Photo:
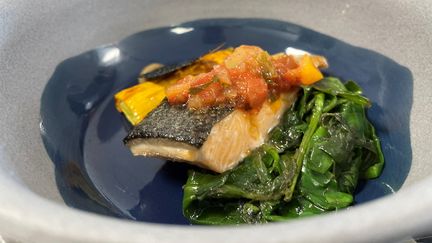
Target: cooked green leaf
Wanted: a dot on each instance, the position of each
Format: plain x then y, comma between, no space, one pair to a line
311,163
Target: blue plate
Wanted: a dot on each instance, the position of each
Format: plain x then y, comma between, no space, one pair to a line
83,131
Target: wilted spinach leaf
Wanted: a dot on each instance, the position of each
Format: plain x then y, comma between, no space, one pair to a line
310,164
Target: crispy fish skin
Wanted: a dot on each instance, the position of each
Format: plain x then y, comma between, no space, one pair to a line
164,71
178,123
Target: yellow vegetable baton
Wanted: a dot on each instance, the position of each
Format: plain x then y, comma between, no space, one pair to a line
137,101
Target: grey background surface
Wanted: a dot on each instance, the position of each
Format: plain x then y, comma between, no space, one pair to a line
37,35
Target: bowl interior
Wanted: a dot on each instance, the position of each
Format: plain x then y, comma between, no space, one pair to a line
96,172
36,36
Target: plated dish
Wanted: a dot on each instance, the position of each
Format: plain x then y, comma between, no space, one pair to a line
275,138
96,174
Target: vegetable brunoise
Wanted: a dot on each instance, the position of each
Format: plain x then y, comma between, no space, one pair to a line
271,138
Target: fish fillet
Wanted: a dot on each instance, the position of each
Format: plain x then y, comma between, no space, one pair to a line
217,139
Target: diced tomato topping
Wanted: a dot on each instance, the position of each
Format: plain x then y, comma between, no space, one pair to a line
178,93
210,96
251,88
245,79
285,67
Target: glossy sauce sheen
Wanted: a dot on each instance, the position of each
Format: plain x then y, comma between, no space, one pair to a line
83,131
